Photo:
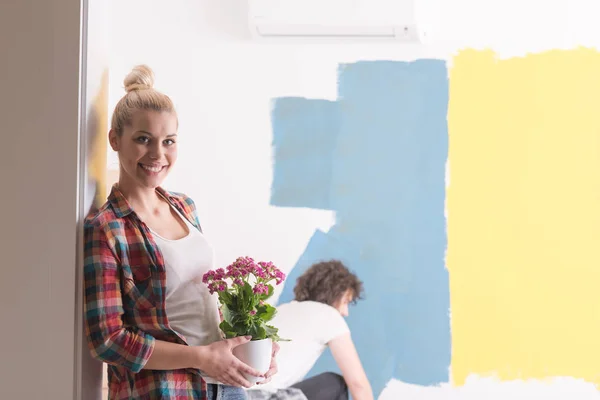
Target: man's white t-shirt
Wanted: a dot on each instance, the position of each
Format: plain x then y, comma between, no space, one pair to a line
310,325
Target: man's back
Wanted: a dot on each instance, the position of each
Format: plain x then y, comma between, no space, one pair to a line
310,326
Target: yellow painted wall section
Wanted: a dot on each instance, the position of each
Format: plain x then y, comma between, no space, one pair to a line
98,130
524,215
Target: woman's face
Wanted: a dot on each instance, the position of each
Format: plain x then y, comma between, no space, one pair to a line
147,148
342,304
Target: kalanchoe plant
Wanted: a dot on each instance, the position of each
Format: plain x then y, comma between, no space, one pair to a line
243,288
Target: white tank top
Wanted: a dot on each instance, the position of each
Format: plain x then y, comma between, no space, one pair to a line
191,310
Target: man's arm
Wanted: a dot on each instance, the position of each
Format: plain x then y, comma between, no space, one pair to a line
345,355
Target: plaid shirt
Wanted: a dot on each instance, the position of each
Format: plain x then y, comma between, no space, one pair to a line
125,285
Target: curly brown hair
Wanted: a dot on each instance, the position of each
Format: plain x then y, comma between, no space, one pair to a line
326,282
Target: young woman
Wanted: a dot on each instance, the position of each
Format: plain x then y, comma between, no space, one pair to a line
148,315
313,322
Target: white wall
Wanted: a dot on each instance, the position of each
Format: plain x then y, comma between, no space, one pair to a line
223,84
39,94
96,65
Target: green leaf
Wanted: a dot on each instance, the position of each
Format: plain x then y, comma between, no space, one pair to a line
266,312
271,330
227,314
238,322
272,333
242,325
258,331
229,300
225,326
236,306
227,330
225,297
248,296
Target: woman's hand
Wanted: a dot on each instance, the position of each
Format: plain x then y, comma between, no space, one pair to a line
273,368
217,361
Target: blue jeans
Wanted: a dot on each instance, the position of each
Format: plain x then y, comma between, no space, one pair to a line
224,392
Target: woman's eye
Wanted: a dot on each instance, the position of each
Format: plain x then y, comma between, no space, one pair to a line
169,142
143,139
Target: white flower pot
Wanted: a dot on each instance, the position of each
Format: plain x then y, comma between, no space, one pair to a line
256,354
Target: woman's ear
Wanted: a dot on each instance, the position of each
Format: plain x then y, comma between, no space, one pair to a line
114,140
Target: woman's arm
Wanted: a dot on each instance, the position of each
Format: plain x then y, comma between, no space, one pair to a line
108,340
169,356
345,355
215,360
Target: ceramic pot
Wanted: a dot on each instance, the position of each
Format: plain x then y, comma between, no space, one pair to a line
256,354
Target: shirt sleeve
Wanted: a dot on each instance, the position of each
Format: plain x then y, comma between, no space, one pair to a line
333,323
107,338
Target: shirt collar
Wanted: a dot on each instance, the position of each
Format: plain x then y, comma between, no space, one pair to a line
122,207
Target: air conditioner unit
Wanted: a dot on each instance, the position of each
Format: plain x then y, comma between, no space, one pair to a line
409,21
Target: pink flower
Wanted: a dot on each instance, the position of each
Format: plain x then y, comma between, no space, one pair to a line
238,273
209,276
270,271
240,267
267,266
253,312
220,274
279,277
233,272
261,288
259,272
217,286
212,287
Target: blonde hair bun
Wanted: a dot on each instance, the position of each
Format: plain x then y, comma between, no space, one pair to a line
141,77
141,95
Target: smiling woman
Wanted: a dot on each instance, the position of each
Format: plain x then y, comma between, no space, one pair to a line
146,315
143,131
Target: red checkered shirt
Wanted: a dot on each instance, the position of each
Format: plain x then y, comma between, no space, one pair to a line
125,286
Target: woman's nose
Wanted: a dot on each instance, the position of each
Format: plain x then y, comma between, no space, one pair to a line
156,152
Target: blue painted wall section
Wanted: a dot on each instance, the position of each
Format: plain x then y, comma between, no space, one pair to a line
304,127
377,156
